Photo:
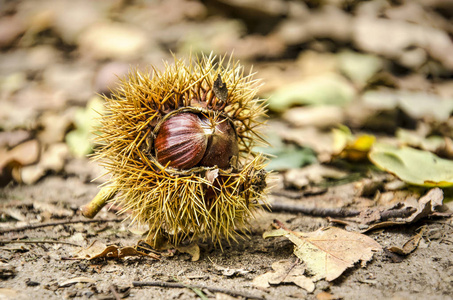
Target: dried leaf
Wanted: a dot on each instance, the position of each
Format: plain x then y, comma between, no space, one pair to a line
138,229
413,166
99,250
220,89
113,40
192,249
427,205
322,116
328,252
11,161
285,272
315,173
410,245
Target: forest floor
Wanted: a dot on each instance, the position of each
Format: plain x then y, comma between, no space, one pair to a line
381,69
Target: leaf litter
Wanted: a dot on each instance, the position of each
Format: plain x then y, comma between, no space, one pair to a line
385,84
98,249
326,253
401,213
411,244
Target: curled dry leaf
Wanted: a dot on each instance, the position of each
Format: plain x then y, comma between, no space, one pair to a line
428,205
328,252
410,245
99,250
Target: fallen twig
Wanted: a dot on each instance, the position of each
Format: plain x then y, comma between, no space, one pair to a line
37,242
180,285
397,213
313,211
35,226
115,294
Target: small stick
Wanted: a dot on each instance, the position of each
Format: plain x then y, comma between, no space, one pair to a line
114,292
37,242
397,213
91,209
197,286
313,211
27,227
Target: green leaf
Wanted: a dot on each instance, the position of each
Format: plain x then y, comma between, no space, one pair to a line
413,166
283,156
291,158
86,121
359,67
321,90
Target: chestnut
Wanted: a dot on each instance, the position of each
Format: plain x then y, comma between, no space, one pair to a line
186,140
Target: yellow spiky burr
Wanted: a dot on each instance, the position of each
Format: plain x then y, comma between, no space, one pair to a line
179,147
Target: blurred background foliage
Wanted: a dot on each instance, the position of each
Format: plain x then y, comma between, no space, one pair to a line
341,76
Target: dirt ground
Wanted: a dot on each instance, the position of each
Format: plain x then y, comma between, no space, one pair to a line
427,273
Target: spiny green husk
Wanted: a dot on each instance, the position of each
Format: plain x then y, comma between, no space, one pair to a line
183,203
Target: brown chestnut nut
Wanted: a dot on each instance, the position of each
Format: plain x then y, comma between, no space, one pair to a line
187,140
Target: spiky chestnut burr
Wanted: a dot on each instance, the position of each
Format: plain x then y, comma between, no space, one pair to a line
178,145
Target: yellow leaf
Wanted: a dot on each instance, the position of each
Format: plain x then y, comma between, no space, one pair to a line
348,146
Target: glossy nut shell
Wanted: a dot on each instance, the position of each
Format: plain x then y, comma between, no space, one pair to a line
188,140
181,141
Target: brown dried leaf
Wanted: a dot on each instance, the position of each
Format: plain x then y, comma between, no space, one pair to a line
25,154
285,271
99,250
328,252
410,245
192,249
11,161
427,205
